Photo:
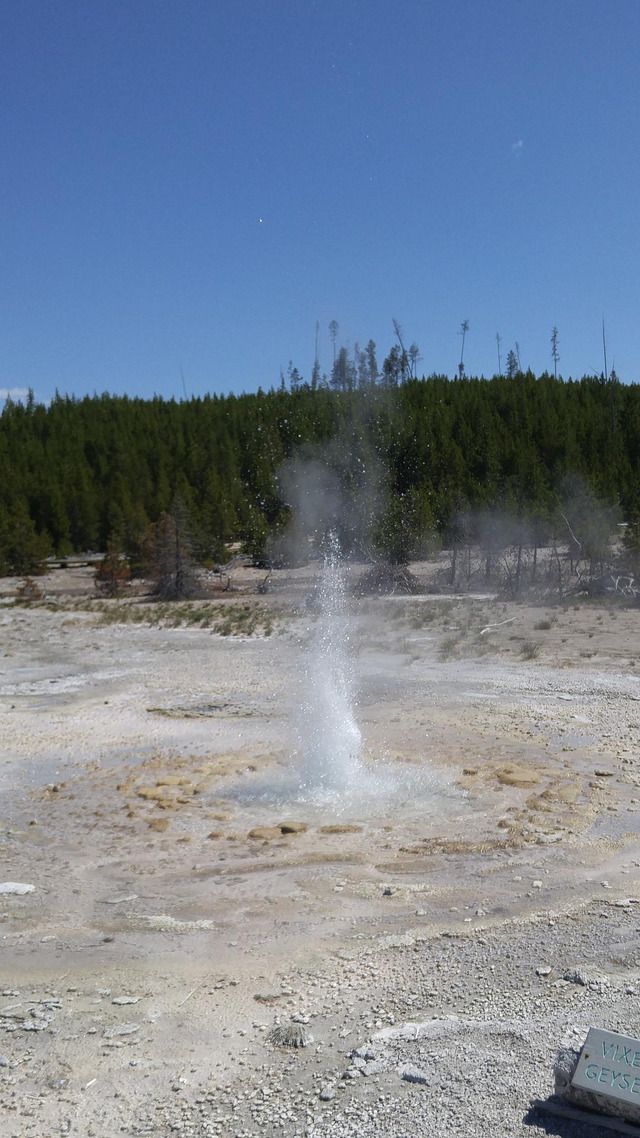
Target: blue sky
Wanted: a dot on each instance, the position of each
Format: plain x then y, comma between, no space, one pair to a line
188,186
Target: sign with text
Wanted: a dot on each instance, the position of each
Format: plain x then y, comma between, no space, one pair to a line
609,1064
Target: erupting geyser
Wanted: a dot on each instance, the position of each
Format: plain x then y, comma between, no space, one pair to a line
329,771
330,739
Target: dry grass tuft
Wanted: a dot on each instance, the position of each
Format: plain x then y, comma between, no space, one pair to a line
290,1035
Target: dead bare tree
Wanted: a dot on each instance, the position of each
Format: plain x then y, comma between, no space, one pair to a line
555,354
171,562
464,328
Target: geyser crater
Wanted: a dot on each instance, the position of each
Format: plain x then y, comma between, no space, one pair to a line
328,771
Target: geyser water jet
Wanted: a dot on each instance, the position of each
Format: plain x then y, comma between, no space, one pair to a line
329,736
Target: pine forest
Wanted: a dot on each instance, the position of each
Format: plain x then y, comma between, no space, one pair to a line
79,474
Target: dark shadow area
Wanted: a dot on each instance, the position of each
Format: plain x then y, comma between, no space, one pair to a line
549,1123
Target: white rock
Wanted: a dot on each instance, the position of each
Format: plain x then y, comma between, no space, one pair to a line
412,1074
16,887
374,1067
327,1093
364,1053
587,978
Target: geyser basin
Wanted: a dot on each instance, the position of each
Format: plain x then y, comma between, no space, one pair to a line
466,841
379,790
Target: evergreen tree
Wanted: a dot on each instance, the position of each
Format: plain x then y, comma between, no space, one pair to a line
372,364
22,550
512,364
394,367
333,332
343,376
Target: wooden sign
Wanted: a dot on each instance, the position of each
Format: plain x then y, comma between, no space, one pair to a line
609,1064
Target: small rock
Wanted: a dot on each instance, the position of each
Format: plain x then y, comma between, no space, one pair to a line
123,1029
292,827
327,1093
596,981
16,887
265,833
412,1074
121,1000
120,899
543,971
375,1067
363,1053
352,1073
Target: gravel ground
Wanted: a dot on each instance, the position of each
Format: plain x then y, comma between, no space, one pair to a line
452,1036
438,949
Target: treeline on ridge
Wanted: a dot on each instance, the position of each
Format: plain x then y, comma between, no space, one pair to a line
79,473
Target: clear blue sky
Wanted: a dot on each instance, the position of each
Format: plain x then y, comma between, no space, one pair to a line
191,185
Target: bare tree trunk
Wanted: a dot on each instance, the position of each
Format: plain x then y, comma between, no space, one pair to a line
559,566
518,568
